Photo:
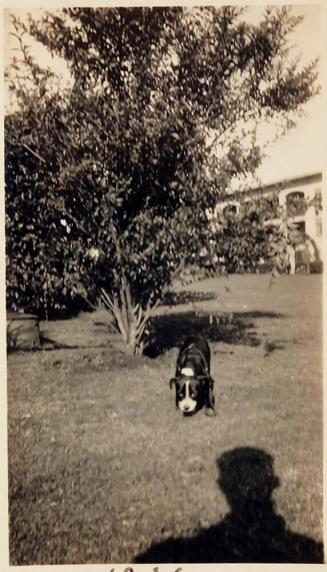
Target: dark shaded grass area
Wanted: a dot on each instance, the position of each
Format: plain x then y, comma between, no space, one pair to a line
187,297
169,331
102,468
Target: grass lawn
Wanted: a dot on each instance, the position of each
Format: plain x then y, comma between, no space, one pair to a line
102,468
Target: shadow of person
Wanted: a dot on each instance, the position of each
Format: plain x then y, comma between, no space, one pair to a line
251,531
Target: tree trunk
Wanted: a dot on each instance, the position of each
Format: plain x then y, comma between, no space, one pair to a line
130,317
132,343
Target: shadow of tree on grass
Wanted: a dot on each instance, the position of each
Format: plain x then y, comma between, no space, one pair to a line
168,331
49,344
187,297
252,531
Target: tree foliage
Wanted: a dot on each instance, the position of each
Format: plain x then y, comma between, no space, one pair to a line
242,241
110,179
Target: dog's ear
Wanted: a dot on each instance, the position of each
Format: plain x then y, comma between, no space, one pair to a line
172,382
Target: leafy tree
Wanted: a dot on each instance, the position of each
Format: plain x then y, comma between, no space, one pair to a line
242,240
111,179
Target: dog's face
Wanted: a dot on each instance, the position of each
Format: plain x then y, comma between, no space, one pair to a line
189,393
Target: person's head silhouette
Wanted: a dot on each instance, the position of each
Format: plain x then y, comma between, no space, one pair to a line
246,477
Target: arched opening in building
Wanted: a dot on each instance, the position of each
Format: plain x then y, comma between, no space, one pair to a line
230,210
296,203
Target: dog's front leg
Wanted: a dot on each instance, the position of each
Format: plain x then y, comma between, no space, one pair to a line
210,404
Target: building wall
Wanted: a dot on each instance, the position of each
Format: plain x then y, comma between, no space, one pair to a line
310,221
312,218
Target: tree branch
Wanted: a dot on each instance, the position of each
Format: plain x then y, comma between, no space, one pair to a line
28,149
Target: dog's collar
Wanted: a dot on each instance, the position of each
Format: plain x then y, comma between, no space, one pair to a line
187,371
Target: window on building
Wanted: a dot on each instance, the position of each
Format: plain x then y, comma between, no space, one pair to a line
269,205
230,210
296,204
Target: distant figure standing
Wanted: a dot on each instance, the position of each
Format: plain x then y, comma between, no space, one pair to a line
307,257
291,258
303,252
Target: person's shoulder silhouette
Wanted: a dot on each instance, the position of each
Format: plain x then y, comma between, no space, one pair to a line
251,531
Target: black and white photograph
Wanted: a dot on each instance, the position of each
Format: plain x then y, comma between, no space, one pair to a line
163,225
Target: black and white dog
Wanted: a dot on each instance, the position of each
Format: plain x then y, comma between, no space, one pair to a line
193,382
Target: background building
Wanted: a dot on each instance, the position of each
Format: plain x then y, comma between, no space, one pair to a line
300,198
